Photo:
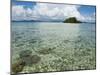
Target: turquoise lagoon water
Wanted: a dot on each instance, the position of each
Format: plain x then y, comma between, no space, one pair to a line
60,46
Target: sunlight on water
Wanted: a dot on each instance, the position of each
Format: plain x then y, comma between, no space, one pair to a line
53,46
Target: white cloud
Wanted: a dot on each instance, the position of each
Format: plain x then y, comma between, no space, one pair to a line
18,12
56,12
90,18
46,12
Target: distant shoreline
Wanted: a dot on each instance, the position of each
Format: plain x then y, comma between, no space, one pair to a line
54,22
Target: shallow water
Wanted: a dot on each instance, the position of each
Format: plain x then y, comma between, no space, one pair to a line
61,46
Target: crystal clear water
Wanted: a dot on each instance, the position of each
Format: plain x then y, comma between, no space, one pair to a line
60,46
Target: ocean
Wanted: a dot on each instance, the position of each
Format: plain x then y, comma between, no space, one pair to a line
58,46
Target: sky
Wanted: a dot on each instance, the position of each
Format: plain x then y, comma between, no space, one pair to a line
51,11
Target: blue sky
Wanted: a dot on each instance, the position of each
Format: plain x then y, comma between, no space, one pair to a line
27,4
51,12
87,10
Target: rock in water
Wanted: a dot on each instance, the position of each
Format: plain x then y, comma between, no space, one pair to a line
17,67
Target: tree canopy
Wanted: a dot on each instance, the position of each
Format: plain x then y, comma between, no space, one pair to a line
71,20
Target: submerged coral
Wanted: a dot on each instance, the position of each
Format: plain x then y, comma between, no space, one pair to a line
33,59
28,58
25,59
25,53
45,50
32,41
18,66
66,41
18,45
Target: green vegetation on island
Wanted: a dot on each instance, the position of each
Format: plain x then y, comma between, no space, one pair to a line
71,20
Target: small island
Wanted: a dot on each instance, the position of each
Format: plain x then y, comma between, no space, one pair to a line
71,20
